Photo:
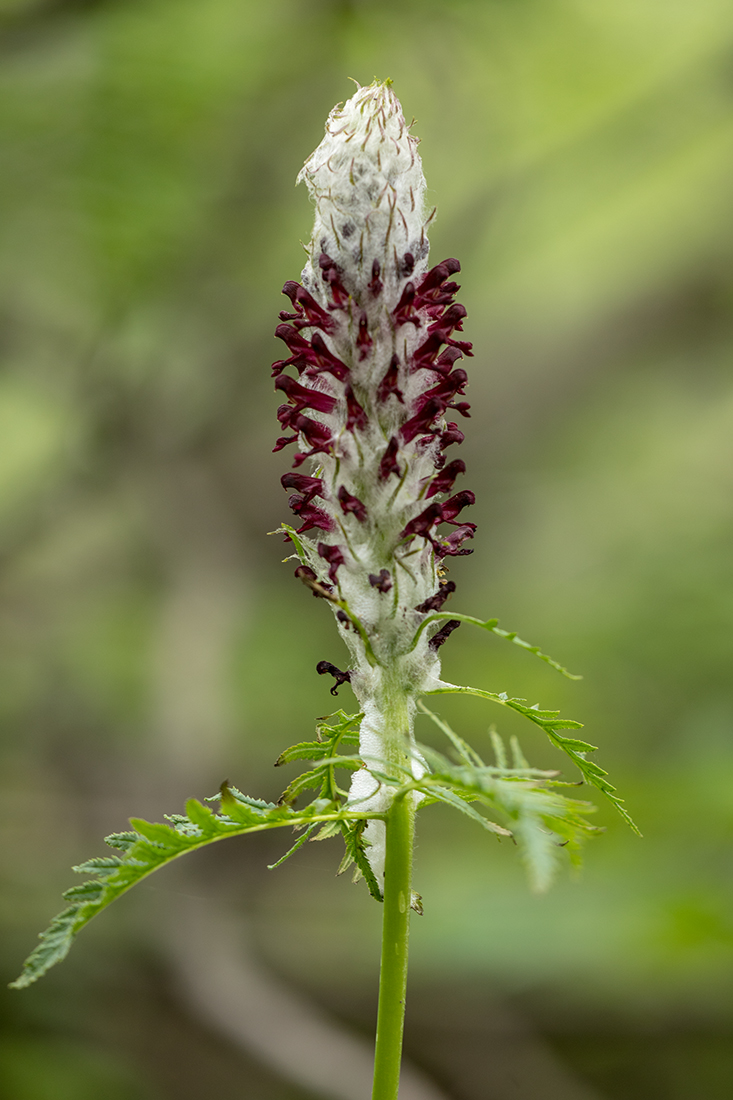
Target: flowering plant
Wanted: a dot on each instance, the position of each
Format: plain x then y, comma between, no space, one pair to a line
370,383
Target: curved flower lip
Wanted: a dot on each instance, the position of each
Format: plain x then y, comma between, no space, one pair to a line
449,545
424,357
332,275
389,464
437,275
325,668
310,515
356,417
309,486
451,434
451,384
308,312
434,603
405,312
311,354
304,398
334,556
389,385
456,503
351,504
435,514
443,480
423,422
441,636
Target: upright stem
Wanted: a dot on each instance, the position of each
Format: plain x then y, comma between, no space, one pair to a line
395,936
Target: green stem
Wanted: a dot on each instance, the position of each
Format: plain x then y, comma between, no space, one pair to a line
395,934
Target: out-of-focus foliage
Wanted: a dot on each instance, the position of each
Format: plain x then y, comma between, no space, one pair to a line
151,643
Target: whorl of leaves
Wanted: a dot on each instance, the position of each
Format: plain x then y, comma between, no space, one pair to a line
542,821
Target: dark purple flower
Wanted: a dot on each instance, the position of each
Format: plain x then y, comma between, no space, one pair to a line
435,603
388,385
444,363
363,339
423,422
351,504
308,312
324,361
309,486
303,397
325,668
310,515
442,635
425,522
375,285
382,580
449,545
443,481
334,556
452,434
451,384
355,415
332,275
456,503
388,465
405,312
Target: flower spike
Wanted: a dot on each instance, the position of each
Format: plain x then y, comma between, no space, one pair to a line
371,337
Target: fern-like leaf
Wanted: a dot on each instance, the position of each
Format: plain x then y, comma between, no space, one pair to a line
541,820
551,722
356,854
152,845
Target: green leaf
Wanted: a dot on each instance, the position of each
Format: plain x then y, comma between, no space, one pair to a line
99,865
299,543
305,750
123,841
319,777
164,836
594,774
498,747
462,747
291,851
331,828
356,853
331,731
202,817
518,756
457,799
313,779
543,822
153,845
339,726
550,722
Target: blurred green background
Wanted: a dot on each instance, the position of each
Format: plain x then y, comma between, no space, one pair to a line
151,643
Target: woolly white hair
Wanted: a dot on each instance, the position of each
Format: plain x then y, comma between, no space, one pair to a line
367,181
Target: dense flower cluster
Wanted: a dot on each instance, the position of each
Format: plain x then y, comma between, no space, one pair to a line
370,385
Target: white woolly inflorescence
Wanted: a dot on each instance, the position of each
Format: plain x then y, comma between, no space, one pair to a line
367,181
370,384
